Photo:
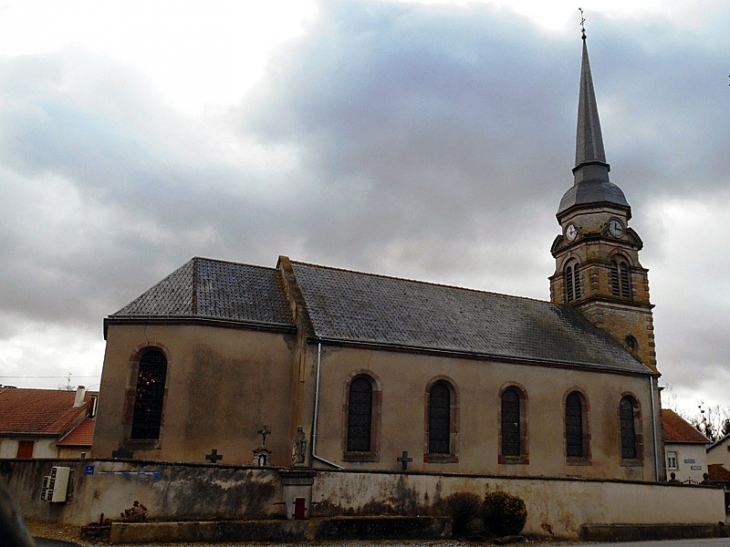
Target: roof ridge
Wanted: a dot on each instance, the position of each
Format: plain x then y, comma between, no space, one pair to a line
232,262
421,282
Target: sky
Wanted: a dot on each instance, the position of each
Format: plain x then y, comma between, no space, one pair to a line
424,140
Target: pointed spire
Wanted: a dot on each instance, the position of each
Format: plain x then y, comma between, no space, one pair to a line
590,157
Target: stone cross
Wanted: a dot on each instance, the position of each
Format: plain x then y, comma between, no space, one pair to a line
404,459
300,446
213,457
264,433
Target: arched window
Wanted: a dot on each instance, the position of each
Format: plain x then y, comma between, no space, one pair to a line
620,279
149,395
632,343
510,423
574,426
439,419
627,417
513,426
572,282
360,415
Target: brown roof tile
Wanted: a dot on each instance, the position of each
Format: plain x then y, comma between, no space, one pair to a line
81,435
677,430
39,411
718,473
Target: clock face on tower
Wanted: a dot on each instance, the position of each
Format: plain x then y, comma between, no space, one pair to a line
615,227
571,232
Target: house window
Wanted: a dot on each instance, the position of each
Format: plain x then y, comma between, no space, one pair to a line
359,415
149,395
439,419
572,282
671,460
628,429
620,279
25,449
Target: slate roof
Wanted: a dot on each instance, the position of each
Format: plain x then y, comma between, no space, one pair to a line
677,430
39,411
217,290
364,308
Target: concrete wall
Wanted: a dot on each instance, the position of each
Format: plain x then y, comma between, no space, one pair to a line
558,505
170,491
223,385
404,378
204,492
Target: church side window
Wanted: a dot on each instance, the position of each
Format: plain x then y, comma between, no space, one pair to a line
572,282
513,425
360,415
620,279
577,438
149,395
439,419
629,438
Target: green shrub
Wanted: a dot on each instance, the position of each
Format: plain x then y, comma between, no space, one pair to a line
503,514
462,507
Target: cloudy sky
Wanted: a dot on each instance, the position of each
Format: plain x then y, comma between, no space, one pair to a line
428,140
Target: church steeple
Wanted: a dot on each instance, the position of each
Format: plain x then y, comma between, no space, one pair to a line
597,268
590,157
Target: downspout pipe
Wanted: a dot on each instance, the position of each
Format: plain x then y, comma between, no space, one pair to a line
653,430
316,412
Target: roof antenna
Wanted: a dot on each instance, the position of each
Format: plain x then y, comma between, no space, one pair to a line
582,23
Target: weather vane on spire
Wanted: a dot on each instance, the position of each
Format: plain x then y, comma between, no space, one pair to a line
582,23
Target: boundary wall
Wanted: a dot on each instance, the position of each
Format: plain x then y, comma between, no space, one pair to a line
172,491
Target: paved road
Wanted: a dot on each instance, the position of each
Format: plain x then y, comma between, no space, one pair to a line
714,542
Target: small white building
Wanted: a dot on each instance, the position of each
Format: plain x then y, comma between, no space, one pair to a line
684,447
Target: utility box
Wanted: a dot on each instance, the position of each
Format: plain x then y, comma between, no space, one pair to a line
55,485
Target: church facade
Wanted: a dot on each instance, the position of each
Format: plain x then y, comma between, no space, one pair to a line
325,368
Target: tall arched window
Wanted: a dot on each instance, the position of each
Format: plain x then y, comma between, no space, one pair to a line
511,434
574,440
572,282
149,395
627,417
439,419
620,279
360,415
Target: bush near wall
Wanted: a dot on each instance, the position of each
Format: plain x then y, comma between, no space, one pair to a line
503,514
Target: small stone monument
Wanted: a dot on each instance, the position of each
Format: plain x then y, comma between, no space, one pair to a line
262,455
300,448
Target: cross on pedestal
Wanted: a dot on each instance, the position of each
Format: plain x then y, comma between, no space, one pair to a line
264,433
213,457
404,459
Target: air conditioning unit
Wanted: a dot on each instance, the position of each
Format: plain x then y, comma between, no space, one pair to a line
55,485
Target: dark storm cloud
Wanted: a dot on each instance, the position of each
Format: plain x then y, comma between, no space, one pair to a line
432,143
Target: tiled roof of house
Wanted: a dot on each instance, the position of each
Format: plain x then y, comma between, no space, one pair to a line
373,309
718,473
677,430
39,411
81,435
214,289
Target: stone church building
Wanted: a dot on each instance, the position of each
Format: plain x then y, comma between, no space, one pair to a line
328,368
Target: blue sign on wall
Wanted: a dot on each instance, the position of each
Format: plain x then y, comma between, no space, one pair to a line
89,470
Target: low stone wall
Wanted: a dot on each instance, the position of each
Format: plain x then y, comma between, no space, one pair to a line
168,490
196,492
555,507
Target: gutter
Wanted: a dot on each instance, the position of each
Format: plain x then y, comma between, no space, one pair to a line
653,430
316,413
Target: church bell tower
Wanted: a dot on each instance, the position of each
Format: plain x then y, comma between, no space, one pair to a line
597,267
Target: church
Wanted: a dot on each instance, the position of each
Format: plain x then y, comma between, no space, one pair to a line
325,368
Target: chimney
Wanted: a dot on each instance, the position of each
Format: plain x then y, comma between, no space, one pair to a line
80,394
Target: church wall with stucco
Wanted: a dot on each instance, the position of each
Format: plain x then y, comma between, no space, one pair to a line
404,378
222,386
